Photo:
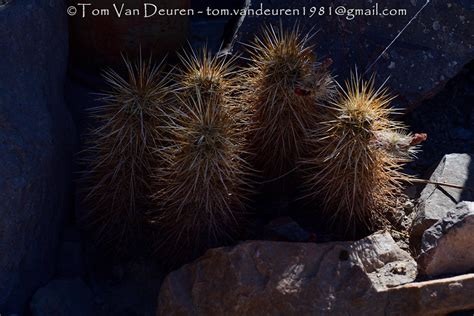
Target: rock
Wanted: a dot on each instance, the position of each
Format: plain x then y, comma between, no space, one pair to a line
432,49
434,298
68,297
215,32
285,229
274,278
436,201
34,144
447,245
267,278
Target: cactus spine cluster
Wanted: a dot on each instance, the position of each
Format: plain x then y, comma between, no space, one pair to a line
284,84
119,155
203,180
355,157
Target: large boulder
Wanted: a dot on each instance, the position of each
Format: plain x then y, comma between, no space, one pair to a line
275,278
35,156
447,246
268,278
430,51
436,201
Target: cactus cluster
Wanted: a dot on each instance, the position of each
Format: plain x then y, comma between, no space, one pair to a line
180,153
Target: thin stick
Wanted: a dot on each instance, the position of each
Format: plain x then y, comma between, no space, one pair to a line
440,184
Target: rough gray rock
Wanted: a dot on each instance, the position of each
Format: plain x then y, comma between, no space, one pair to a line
447,246
71,297
35,155
268,278
436,201
433,49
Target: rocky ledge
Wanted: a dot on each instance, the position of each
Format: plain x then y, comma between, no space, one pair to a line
367,277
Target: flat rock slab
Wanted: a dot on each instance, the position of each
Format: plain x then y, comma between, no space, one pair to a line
433,49
434,298
275,278
447,246
436,201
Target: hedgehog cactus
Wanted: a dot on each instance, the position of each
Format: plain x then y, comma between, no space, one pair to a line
211,76
203,181
284,84
356,154
119,153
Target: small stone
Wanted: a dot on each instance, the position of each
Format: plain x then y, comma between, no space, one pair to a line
399,269
436,25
